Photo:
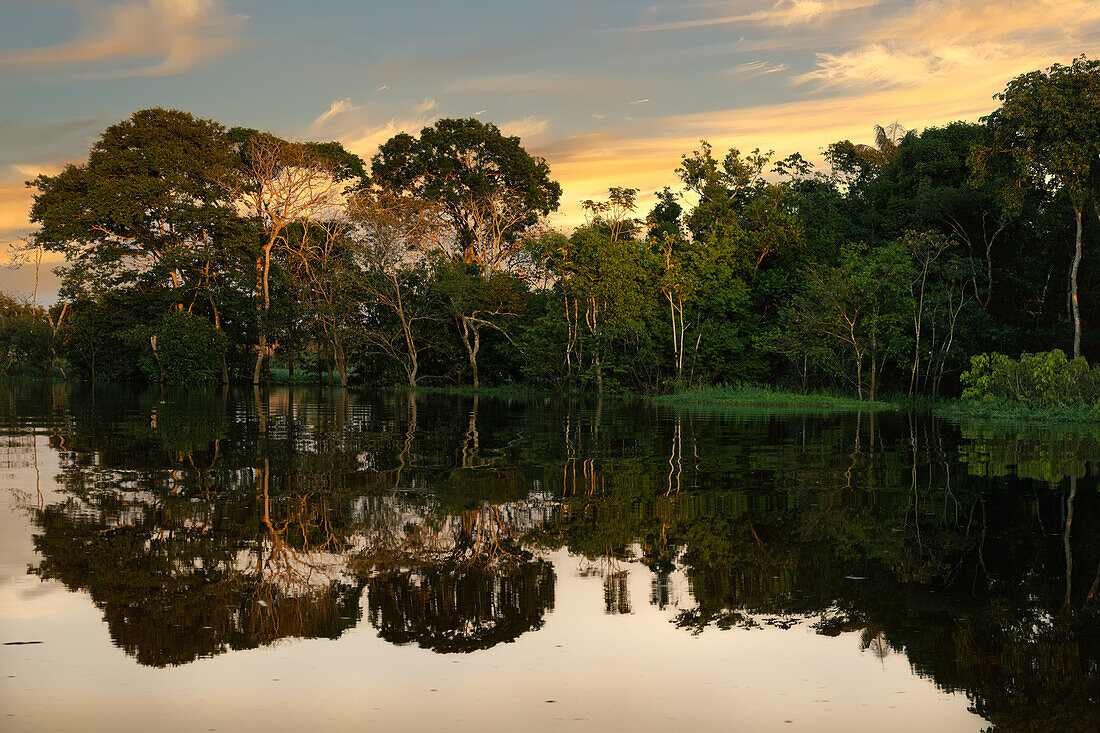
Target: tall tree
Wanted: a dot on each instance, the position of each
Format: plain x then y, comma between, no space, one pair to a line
1048,126
395,232
489,186
286,183
152,199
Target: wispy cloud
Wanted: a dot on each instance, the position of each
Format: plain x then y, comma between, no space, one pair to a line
640,101
336,109
426,105
874,63
526,128
139,38
782,13
961,39
365,139
755,68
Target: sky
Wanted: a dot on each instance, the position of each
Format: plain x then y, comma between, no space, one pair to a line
609,92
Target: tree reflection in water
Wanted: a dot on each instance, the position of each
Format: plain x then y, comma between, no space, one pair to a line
203,523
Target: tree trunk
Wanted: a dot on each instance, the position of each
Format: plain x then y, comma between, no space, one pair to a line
874,377
464,329
264,266
341,362
859,375
1073,286
261,350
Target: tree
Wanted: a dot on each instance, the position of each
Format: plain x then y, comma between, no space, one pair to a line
327,272
490,188
395,231
155,190
477,302
861,303
1048,127
856,163
288,183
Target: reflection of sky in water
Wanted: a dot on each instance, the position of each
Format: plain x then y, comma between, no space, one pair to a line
632,672
602,672
620,648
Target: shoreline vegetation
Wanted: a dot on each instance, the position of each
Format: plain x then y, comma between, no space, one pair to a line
735,397
900,273
747,395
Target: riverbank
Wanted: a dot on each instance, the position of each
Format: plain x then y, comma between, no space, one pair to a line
762,396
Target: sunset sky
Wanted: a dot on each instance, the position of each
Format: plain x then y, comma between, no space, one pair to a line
610,92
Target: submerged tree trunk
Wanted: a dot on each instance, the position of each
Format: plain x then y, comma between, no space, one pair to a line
341,362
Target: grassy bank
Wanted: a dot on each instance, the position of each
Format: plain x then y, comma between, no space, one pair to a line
1015,411
763,396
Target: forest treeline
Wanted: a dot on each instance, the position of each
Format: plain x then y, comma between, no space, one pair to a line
197,253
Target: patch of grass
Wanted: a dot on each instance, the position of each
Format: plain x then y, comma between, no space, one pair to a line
281,375
1011,410
747,395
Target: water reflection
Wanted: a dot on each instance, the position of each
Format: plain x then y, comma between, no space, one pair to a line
204,522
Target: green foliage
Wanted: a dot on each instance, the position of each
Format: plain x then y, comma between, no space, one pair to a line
1048,126
105,339
189,350
1045,379
147,206
462,163
26,339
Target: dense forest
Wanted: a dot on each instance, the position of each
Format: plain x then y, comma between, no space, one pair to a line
196,253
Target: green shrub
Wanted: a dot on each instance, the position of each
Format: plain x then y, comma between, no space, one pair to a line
1045,379
189,348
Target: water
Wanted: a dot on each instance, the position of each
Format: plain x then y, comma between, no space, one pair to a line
277,560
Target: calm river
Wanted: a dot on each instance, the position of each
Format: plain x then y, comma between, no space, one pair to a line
307,560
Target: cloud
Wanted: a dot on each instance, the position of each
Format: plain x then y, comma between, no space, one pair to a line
755,68
336,109
528,127
875,63
426,105
782,13
383,88
640,101
645,154
139,38
365,140
963,22
941,39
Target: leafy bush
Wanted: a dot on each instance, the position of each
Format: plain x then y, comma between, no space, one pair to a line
25,339
190,349
1045,379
